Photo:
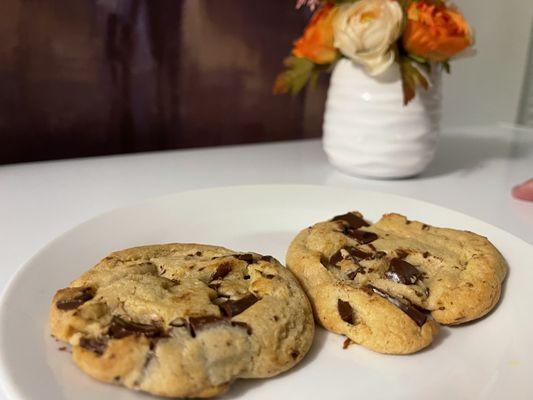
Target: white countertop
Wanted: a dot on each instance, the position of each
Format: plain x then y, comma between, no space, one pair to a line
473,172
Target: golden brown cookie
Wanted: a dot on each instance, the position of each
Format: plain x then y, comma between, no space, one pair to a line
376,284
183,320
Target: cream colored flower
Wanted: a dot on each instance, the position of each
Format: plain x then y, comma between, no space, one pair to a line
365,31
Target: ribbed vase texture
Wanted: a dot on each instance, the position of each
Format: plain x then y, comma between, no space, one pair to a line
368,131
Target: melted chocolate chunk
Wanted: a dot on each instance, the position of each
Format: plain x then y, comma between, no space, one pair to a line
357,254
401,271
324,261
232,308
243,325
413,312
120,328
97,346
362,237
400,253
84,295
353,274
350,252
336,258
221,271
198,323
249,258
352,219
345,311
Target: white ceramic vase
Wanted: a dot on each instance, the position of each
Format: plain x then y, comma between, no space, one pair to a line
368,132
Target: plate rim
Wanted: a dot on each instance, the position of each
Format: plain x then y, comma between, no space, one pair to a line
7,384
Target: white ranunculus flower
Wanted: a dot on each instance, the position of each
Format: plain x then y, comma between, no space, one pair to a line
365,31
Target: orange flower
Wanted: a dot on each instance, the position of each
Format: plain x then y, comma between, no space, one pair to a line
316,44
435,32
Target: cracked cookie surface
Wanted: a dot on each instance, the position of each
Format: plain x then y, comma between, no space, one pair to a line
377,283
183,320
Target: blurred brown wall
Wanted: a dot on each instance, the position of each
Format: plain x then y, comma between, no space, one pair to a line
88,77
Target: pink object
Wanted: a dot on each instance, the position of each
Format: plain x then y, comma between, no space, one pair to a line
524,191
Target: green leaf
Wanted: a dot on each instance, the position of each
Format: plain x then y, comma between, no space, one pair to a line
417,59
411,78
297,74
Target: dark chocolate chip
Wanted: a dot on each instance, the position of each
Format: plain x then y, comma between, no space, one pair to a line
336,258
353,274
414,313
249,258
362,237
221,271
120,328
198,253
295,354
353,220
246,277
97,346
352,252
62,348
425,227
198,323
243,325
346,343
324,261
357,254
345,311
269,276
426,254
214,285
71,303
380,254
401,271
401,253
232,308
267,258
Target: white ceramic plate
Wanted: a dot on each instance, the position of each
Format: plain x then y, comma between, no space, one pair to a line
488,359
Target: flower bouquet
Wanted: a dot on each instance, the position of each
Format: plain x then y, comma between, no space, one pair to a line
380,52
418,35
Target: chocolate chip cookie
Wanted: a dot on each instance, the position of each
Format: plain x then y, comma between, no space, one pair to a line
183,320
385,286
